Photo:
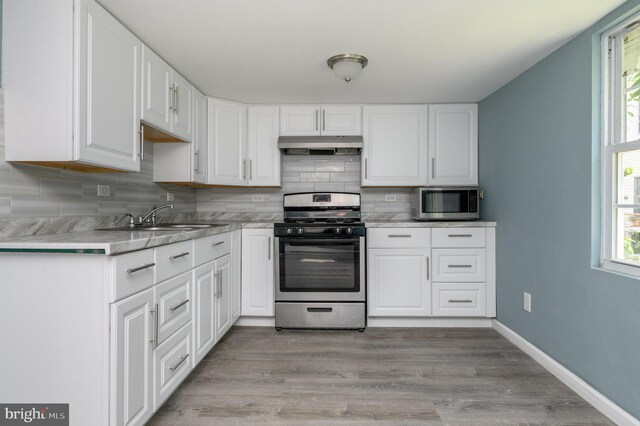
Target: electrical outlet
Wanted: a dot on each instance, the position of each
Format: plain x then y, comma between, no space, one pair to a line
170,196
104,190
527,302
257,197
390,197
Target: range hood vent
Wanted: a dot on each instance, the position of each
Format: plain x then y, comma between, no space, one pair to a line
320,145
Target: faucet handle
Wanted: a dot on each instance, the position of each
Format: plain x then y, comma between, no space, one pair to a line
132,220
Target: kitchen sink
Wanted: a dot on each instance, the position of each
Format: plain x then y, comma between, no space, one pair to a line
164,227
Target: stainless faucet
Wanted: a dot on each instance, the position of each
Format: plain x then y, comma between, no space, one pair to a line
150,218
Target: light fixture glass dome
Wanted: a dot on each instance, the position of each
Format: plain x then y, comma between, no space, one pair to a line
348,65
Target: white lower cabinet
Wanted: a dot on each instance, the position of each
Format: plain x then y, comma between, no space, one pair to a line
459,300
204,331
258,272
223,296
171,364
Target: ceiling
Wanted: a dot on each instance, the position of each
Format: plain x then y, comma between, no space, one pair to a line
419,51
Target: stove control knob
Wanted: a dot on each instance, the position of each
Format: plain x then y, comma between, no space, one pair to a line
349,231
338,231
300,231
289,231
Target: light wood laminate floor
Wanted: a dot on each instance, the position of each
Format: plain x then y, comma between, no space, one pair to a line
256,375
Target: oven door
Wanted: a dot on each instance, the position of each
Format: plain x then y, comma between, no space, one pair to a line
320,269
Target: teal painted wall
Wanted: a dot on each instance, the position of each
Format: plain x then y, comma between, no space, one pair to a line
539,165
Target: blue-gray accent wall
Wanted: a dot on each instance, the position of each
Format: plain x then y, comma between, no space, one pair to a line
539,150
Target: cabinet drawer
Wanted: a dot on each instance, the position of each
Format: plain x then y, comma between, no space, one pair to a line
459,300
174,304
398,238
171,364
173,259
458,265
212,247
133,272
458,237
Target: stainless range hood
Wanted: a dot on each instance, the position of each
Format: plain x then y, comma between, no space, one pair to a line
320,145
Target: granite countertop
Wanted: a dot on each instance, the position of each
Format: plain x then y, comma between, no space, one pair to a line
428,224
115,242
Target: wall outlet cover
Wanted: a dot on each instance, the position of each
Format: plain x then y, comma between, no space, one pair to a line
170,196
104,190
527,302
390,197
257,197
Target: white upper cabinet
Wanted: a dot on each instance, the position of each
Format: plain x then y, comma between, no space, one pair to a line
167,98
395,145
453,144
79,108
227,143
315,120
263,154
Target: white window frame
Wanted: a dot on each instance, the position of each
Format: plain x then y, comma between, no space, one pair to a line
611,135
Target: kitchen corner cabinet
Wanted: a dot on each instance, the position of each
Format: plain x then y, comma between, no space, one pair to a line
258,272
453,144
395,145
167,98
80,108
227,143
316,120
185,162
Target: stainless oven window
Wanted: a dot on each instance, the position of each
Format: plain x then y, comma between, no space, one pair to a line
454,201
319,265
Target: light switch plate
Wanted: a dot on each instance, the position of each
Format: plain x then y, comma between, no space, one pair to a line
170,196
527,302
390,197
257,197
104,190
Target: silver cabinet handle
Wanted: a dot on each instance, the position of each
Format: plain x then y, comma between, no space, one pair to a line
460,235
196,155
244,169
140,268
433,168
171,97
182,359
179,305
316,119
428,272
217,244
154,340
218,285
460,266
141,152
366,169
324,112
460,300
250,169
269,248
178,256
220,281
399,236
177,95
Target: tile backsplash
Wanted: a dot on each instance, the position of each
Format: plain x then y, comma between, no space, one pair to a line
302,173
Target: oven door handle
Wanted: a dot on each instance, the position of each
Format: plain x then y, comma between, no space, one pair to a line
317,261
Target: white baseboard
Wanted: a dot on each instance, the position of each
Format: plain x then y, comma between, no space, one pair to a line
256,322
579,386
428,322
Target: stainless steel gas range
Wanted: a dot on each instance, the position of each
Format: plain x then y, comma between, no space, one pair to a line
320,247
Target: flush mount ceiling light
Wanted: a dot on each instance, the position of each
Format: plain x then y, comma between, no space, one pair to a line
347,65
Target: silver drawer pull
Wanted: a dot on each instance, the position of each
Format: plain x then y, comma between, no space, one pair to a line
398,236
317,261
217,244
178,256
460,235
460,301
182,359
140,268
184,302
460,266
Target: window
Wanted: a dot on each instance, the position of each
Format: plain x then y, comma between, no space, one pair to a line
621,154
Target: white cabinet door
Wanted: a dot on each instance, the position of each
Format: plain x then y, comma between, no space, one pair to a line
131,364
182,125
227,143
223,296
263,153
453,144
299,120
236,274
257,272
341,120
110,86
395,145
204,318
156,91
398,282
199,144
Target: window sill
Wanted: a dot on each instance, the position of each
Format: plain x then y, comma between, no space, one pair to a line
618,268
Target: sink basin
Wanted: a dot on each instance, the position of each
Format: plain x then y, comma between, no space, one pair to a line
164,227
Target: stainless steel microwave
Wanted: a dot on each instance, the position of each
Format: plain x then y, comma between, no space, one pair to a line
451,203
